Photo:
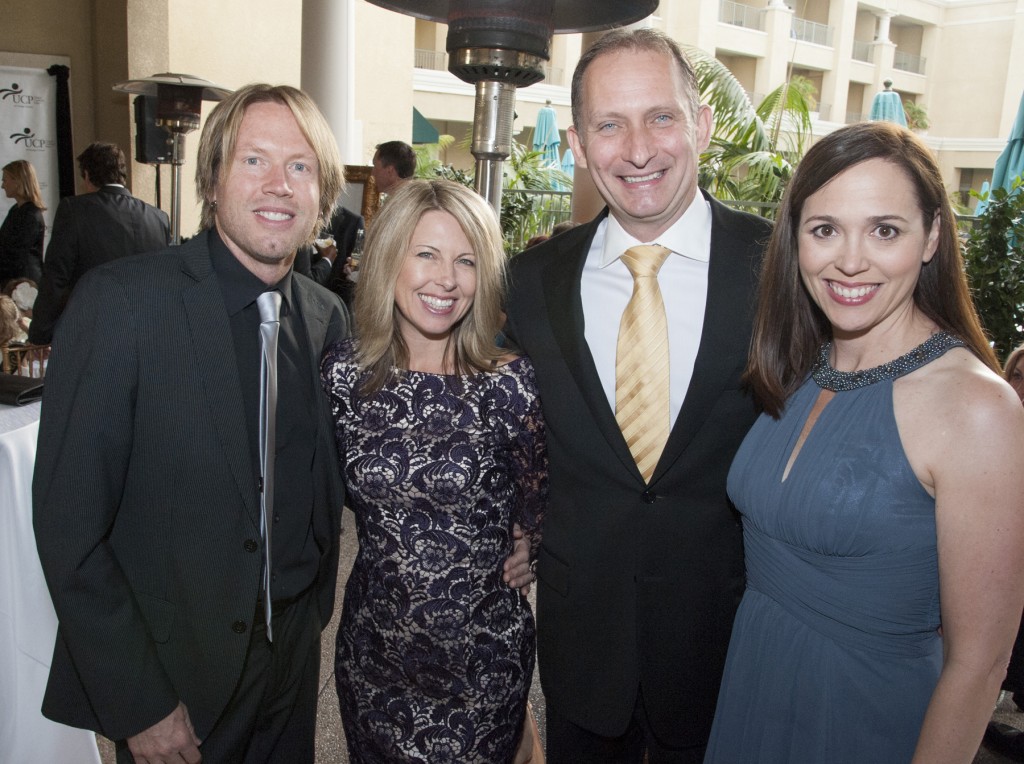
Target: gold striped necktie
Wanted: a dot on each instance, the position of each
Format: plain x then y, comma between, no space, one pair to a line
641,361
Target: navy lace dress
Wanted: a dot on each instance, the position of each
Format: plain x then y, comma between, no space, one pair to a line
435,652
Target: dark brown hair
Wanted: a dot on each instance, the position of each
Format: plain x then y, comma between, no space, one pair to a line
399,155
105,164
788,326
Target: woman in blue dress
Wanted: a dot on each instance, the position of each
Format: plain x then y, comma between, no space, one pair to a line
880,491
443,448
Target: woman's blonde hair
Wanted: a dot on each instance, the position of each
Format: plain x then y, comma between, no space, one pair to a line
9,315
26,184
471,345
1011,361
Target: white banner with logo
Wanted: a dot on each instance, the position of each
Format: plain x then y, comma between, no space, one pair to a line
28,130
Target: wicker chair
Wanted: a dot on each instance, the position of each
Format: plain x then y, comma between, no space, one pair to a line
24,360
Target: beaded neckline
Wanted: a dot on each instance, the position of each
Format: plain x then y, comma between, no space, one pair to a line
840,381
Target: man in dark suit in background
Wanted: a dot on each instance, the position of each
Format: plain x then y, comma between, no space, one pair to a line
639,574
394,162
325,263
101,225
148,477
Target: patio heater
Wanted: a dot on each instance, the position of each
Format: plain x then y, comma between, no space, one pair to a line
501,45
179,99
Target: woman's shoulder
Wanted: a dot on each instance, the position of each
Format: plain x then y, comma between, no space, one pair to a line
957,407
958,382
519,368
515,364
341,353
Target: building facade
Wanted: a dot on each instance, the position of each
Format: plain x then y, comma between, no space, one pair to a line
369,68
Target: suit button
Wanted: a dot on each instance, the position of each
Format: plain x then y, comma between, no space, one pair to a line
239,627
250,545
649,497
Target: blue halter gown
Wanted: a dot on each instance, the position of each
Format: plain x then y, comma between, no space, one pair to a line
835,650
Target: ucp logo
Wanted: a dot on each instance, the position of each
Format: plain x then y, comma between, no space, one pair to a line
15,95
28,140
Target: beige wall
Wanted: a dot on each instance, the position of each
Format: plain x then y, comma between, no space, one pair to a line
385,42
973,85
971,76
110,41
62,28
230,43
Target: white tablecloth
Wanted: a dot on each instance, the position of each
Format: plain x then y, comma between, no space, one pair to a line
28,625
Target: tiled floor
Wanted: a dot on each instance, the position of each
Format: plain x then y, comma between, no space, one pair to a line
330,740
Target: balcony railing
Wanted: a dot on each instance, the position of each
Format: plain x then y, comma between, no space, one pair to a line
908,62
812,31
431,59
861,51
740,15
543,209
855,116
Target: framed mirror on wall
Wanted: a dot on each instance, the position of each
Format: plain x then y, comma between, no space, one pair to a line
360,192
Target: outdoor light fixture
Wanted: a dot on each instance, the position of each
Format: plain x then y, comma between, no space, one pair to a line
500,45
179,99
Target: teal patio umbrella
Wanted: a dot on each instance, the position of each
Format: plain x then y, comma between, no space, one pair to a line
982,204
568,162
568,166
887,106
545,135
1010,164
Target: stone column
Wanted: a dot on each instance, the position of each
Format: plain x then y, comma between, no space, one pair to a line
328,69
884,20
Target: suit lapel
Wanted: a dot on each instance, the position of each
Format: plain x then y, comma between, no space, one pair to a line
562,277
315,317
722,352
208,329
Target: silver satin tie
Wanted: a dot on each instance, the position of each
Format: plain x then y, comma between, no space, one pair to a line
269,304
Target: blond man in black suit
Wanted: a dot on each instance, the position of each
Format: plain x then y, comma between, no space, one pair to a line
147,484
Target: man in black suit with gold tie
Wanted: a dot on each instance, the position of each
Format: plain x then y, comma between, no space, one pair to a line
641,566
148,482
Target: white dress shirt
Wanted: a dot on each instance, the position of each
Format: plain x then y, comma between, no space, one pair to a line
607,285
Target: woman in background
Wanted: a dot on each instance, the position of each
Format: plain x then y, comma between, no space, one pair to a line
1013,370
1008,740
880,491
21,235
442,443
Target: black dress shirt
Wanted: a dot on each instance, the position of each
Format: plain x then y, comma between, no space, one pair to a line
294,553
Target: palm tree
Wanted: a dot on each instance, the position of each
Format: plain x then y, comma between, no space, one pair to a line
753,150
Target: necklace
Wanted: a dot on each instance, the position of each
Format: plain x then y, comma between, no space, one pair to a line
840,381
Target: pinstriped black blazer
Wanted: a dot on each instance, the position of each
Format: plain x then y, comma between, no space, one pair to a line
146,504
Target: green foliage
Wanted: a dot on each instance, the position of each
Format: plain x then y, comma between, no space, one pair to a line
917,115
428,156
526,168
753,151
994,251
523,215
